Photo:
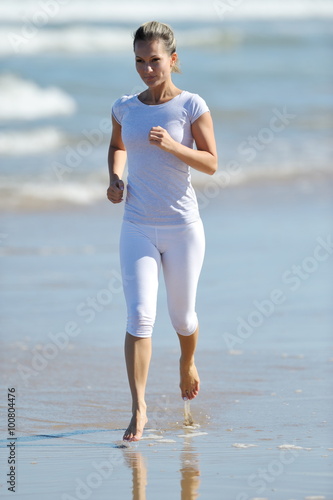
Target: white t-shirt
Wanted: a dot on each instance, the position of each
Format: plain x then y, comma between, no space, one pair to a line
159,189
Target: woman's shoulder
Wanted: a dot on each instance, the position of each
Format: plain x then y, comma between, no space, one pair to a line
190,95
125,99
194,104
192,99
121,104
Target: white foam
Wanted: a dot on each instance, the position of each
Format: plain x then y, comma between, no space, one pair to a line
78,194
192,434
254,174
83,39
152,436
46,195
24,100
25,142
43,193
292,447
127,10
244,445
74,39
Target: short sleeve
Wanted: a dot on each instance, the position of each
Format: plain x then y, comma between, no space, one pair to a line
116,110
198,106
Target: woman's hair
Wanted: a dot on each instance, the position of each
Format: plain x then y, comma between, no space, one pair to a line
153,30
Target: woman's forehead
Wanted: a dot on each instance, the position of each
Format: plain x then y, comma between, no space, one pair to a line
145,48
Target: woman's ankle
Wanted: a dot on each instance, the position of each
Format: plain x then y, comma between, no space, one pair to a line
139,407
187,361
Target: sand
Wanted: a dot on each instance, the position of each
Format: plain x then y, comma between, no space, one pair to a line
261,423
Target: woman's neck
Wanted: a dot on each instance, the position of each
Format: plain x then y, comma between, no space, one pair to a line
160,94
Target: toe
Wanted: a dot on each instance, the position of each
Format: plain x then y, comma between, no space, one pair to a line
185,395
127,436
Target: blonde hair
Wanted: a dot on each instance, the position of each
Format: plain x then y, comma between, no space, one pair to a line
153,30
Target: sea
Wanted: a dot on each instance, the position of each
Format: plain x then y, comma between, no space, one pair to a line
263,67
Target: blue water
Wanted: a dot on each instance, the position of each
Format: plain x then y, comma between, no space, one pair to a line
267,83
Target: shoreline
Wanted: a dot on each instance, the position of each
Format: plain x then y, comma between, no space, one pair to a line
207,189
250,422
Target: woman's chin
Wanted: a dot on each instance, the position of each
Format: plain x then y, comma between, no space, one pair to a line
151,82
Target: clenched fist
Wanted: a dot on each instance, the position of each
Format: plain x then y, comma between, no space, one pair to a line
115,191
160,137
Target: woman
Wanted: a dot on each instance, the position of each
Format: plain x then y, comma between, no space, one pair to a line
155,131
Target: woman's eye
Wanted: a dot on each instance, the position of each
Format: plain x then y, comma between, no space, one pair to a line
156,59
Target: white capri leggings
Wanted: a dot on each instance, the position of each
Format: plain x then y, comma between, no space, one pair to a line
180,249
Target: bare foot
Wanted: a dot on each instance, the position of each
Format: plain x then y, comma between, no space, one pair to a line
135,429
189,380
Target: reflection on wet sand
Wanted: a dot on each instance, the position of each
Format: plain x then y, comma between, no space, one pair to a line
136,461
190,482
189,473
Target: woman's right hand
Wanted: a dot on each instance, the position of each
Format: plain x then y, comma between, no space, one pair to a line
115,191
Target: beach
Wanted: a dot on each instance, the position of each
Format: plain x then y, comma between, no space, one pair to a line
261,421
262,427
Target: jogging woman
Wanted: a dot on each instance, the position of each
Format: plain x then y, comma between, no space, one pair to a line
155,131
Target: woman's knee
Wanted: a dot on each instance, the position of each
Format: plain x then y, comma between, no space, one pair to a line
186,325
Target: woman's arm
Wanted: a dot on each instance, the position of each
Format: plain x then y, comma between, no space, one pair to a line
204,158
116,161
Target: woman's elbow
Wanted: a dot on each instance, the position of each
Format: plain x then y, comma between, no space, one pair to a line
213,166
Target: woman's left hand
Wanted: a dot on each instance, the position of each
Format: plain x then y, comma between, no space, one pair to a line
160,137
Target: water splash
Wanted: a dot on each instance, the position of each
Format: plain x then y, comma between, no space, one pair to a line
188,420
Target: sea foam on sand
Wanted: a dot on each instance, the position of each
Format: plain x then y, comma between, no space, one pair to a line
292,447
244,445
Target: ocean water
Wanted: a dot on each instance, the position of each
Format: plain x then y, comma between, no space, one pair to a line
262,66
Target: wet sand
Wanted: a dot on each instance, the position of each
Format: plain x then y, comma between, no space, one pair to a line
262,429
262,426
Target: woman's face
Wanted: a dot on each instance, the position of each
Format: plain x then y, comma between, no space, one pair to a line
153,63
